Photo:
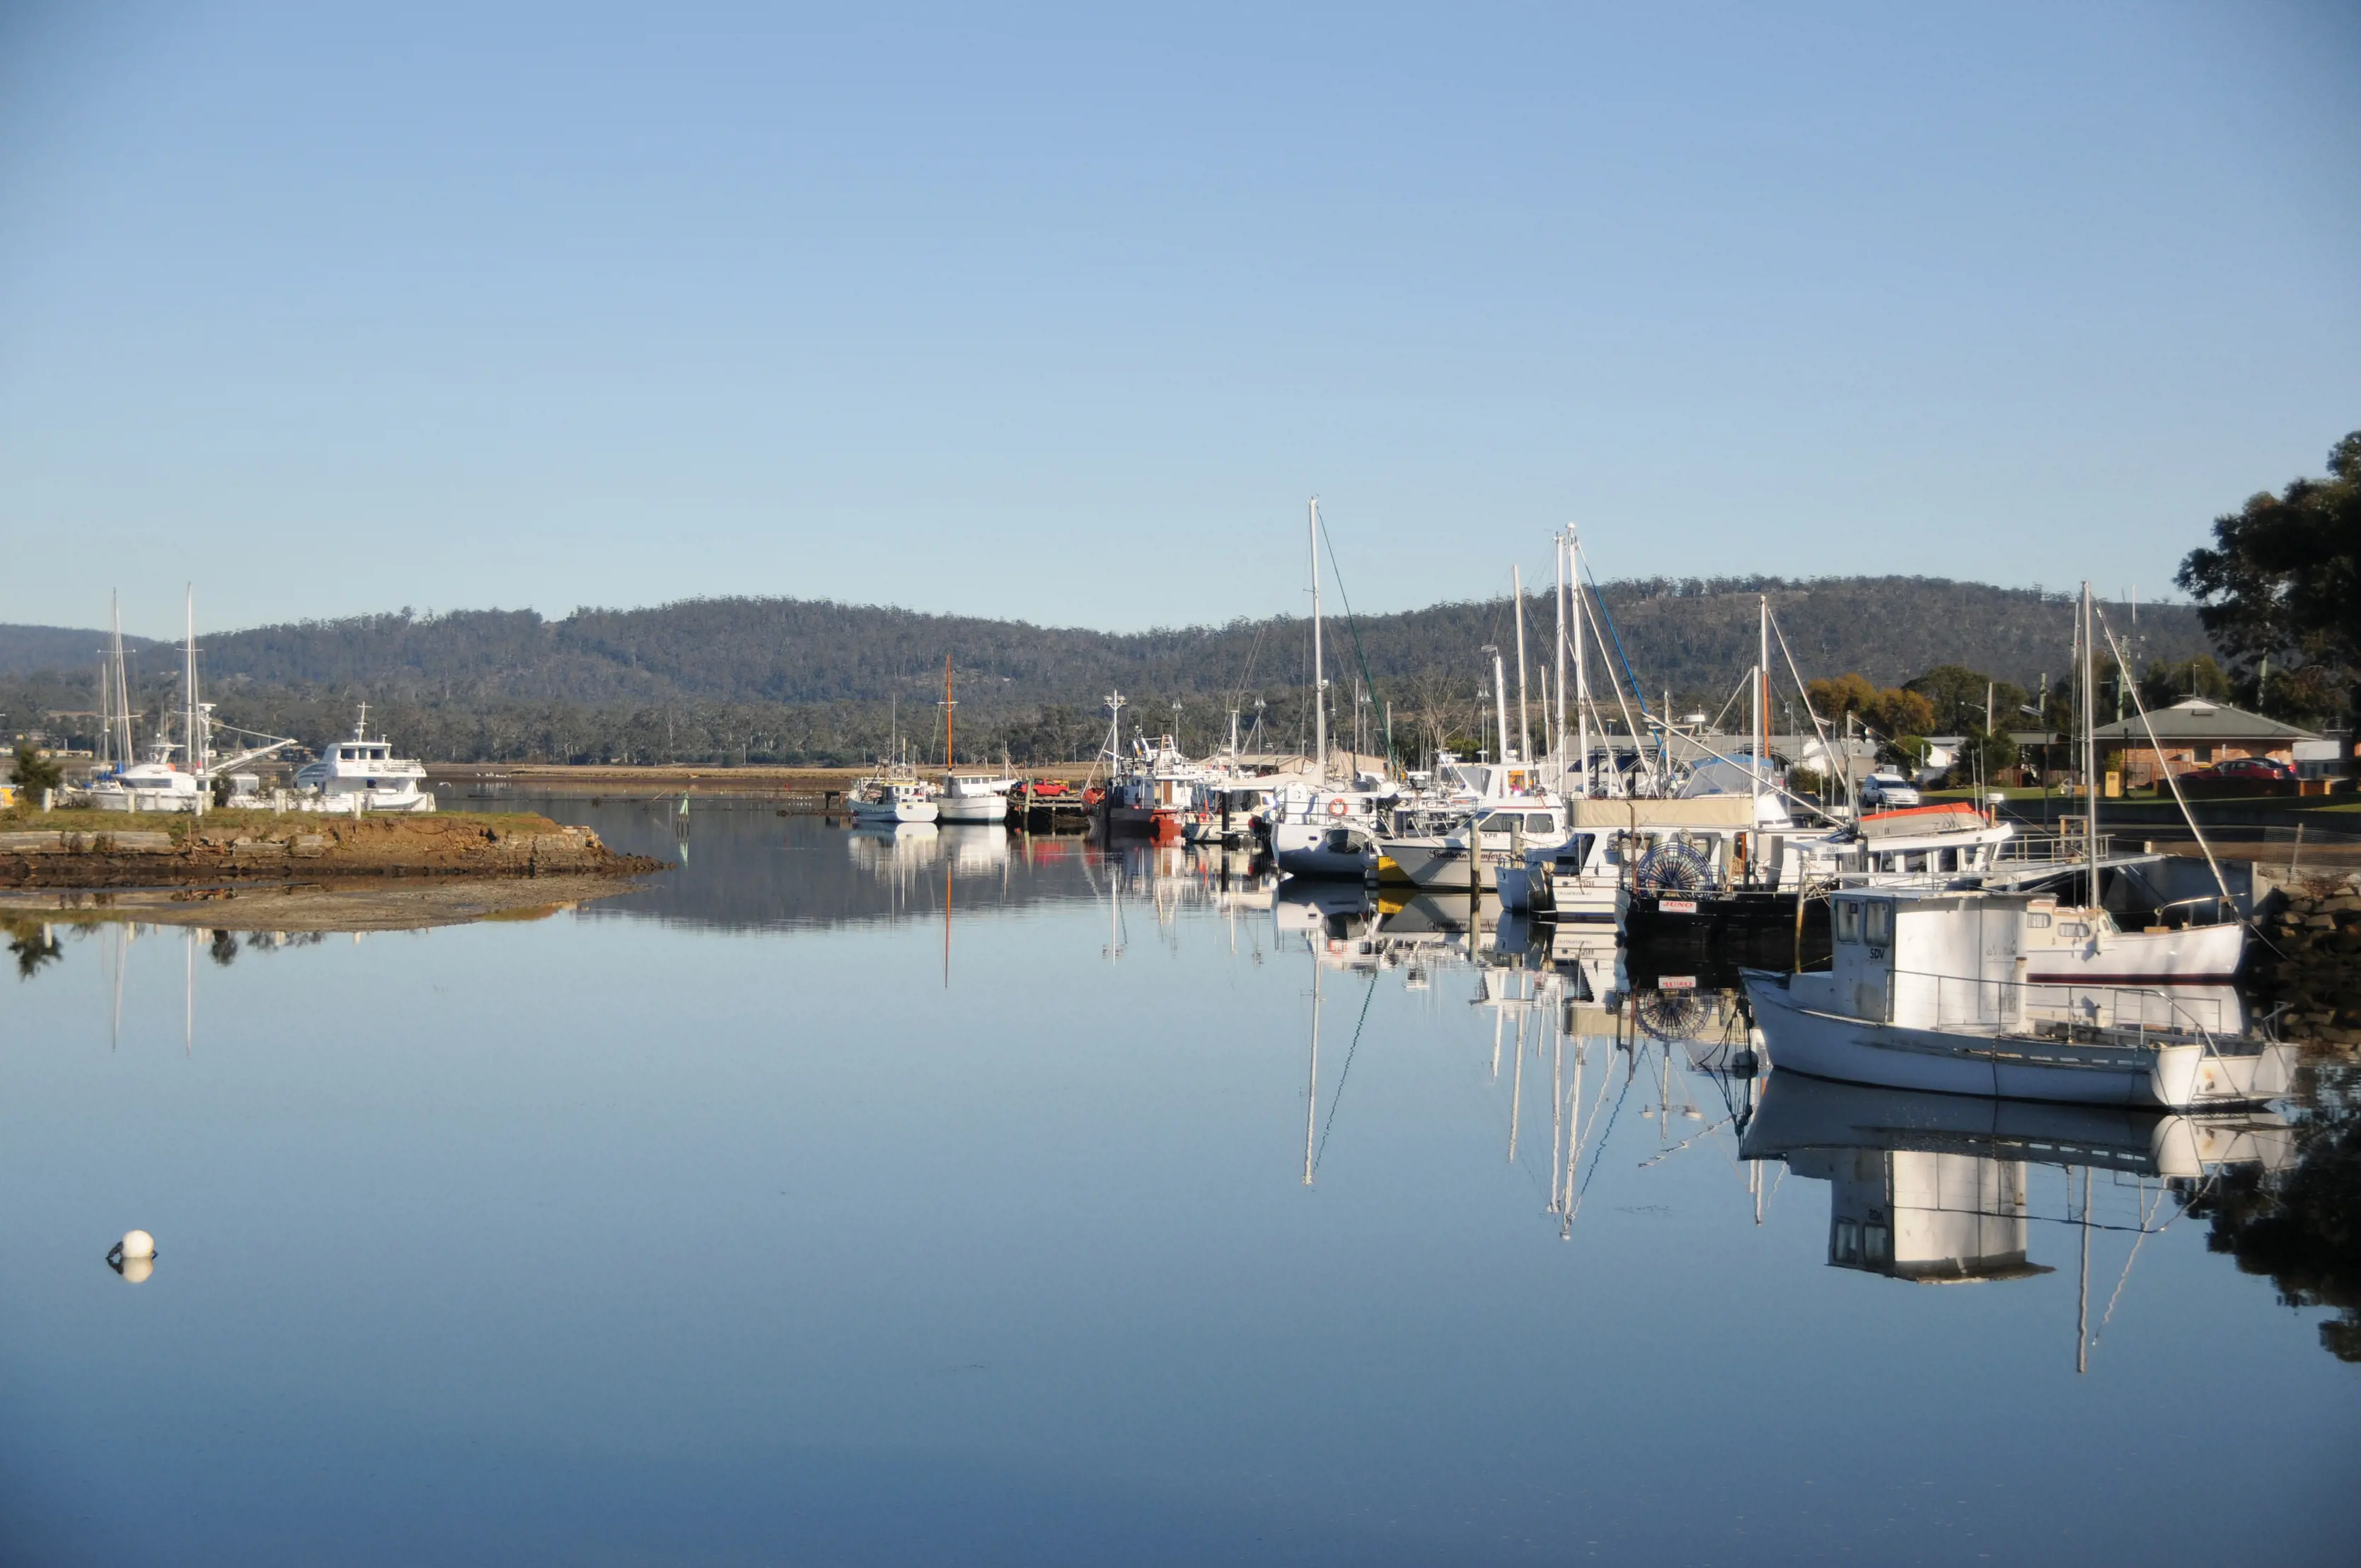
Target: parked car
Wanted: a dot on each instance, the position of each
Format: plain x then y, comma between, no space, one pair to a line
1887,792
2241,770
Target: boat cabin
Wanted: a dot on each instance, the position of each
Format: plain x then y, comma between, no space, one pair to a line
1930,960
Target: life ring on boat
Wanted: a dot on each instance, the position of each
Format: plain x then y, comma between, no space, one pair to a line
1338,808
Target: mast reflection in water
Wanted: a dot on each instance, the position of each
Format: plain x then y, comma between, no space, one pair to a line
937,1197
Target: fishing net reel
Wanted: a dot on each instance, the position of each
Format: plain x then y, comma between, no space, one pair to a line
1675,867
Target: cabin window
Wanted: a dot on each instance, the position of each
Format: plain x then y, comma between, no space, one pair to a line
1846,1248
2036,922
1872,1245
1879,927
1848,920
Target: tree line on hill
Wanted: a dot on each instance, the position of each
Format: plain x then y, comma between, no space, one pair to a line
804,681
749,680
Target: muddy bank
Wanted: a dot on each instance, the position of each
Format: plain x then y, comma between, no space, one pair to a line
375,903
230,849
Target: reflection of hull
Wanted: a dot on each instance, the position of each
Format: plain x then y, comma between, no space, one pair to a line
973,849
1798,1113
895,846
2019,1066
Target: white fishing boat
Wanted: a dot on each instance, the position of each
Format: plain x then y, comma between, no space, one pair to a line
966,799
1318,830
1933,991
1152,792
890,798
1225,807
1457,850
974,801
361,774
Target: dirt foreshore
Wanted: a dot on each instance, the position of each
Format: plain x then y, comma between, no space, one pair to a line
373,904
84,849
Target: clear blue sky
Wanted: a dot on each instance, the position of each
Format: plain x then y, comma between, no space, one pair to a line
1062,315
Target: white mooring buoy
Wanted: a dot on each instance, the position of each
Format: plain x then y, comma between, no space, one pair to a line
134,1256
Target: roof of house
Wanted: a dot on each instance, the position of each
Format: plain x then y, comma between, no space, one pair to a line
2194,718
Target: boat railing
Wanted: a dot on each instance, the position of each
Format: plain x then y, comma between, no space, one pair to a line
1971,1001
2049,847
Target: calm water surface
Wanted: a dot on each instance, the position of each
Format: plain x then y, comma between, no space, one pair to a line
770,1215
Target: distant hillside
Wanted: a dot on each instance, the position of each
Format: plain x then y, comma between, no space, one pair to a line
812,678
27,650
1688,637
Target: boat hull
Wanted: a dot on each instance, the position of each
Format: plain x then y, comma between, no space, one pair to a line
1441,867
1858,1050
886,814
973,810
2190,954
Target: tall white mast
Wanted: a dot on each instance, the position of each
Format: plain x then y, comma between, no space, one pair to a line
1581,657
1557,615
120,719
1762,696
1500,699
106,716
2090,750
1319,670
189,742
1524,729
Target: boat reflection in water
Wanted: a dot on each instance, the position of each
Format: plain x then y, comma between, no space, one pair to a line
1934,1188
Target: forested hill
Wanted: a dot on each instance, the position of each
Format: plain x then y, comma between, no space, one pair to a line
1688,637
27,649
813,679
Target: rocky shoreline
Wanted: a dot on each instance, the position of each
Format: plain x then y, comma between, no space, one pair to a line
75,849
2313,962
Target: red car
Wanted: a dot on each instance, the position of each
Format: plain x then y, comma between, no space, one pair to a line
2241,770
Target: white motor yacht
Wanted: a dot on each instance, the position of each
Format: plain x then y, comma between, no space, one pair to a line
151,785
1322,830
363,775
